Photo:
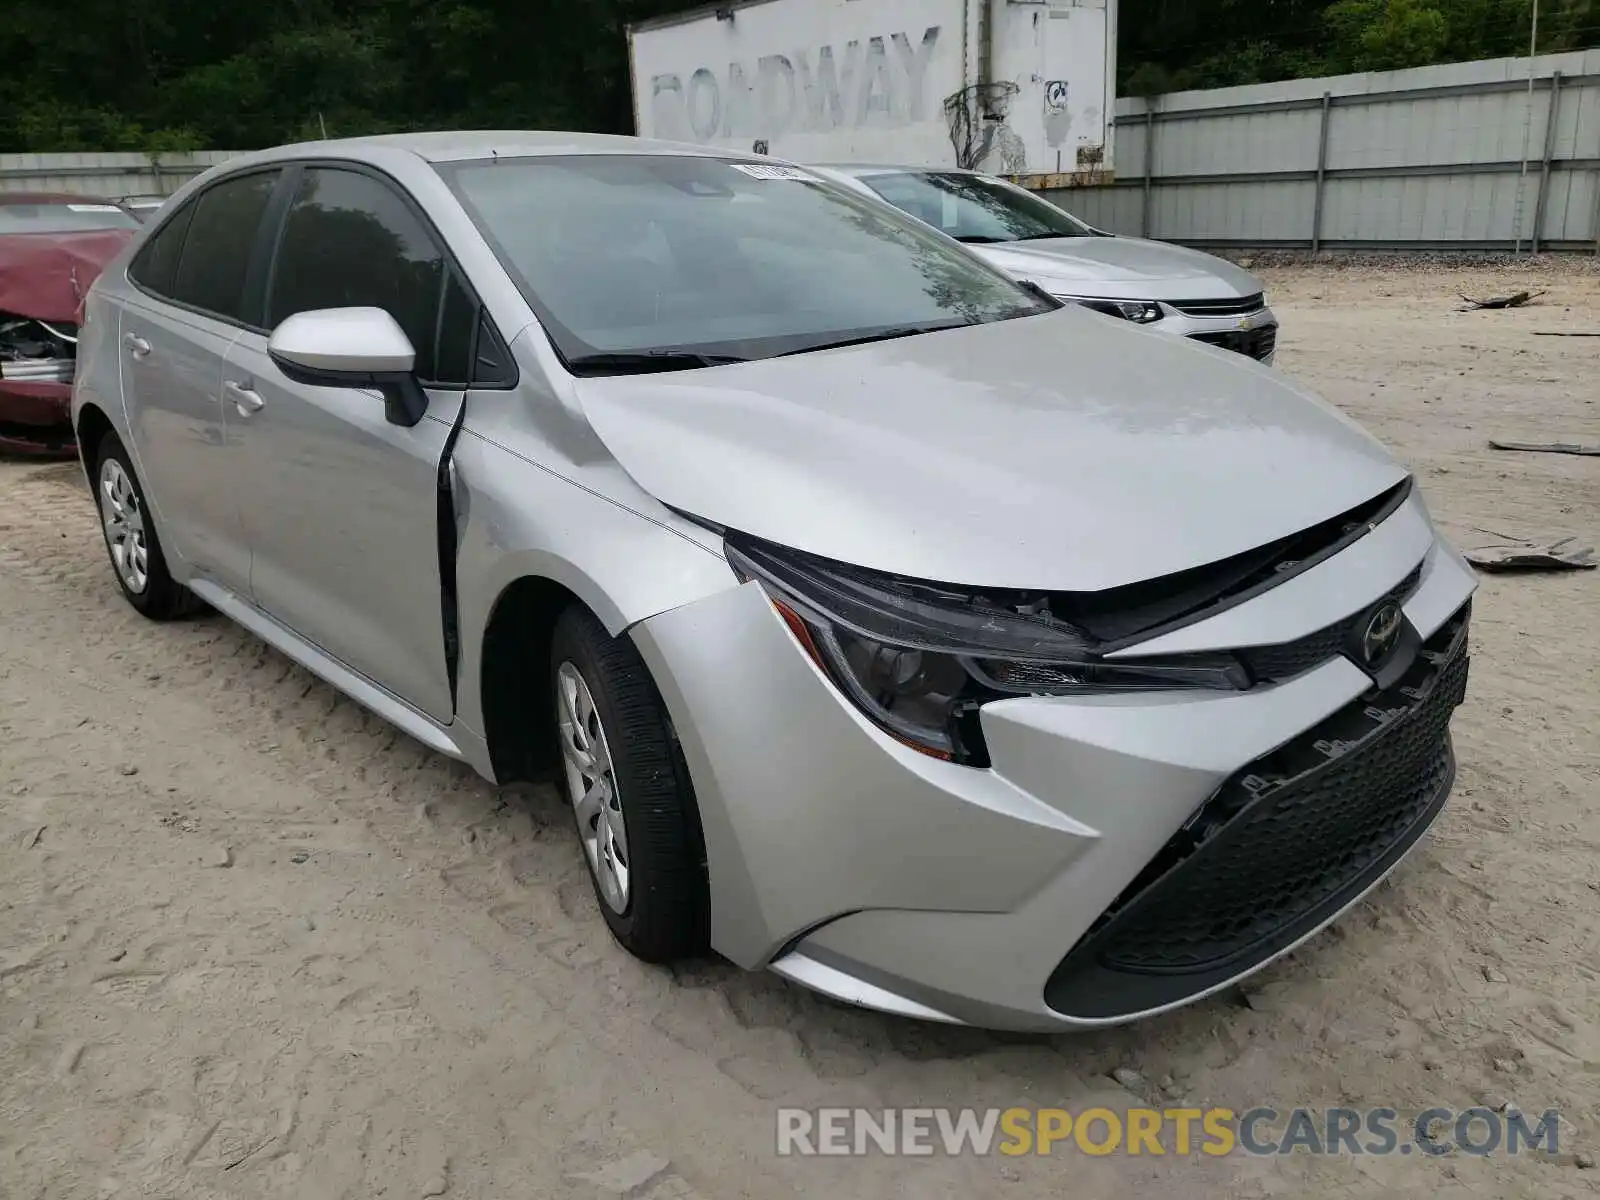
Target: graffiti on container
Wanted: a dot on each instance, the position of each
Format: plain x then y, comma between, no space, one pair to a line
881,81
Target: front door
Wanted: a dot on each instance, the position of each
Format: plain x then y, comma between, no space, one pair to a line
341,510
341,507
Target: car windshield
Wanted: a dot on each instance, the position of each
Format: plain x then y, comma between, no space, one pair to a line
973,209
640,262
62,216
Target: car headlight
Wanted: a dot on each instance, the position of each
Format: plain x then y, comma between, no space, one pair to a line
920,659
1140,312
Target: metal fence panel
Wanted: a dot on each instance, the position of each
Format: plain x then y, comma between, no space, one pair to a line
1430,157
1104,208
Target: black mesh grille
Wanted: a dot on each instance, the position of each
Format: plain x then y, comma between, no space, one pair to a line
1291,658
1221,308
1281,846
1024,675
1296,850
1258,344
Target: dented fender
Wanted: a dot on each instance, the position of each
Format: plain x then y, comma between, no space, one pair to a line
523,510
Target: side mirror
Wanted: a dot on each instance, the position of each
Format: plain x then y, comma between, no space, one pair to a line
352,348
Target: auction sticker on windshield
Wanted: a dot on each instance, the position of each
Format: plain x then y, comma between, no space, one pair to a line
775,171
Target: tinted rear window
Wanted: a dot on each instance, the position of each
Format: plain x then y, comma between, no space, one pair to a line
157,261
222,237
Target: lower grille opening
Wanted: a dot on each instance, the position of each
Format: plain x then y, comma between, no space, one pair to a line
1258,344
1282,846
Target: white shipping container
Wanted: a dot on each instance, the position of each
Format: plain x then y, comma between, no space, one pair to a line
1022,88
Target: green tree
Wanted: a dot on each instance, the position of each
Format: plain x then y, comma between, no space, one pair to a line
1385,35
1173,44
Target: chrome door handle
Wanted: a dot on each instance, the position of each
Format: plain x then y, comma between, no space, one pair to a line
246,400
136,345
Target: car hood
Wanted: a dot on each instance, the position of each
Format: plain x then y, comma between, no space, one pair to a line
1156,270
46,275
1066,451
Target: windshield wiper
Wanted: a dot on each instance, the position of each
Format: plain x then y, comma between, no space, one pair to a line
642,361
882,335
981,239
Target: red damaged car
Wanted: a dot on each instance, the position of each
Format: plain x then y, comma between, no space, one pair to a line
51,249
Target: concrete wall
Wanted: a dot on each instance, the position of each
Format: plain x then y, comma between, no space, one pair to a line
109,175
1404,159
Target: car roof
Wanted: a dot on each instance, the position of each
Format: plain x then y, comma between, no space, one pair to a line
462,145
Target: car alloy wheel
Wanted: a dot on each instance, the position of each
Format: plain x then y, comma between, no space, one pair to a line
133,543
629,789
592,787
124,525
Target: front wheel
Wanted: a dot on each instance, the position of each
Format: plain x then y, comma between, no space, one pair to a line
131,540
630,792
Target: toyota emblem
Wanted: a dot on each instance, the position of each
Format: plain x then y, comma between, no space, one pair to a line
1382,634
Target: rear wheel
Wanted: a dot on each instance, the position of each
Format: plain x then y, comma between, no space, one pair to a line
630,792
131,540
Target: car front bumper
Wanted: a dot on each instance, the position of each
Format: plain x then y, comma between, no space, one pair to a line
1253,334
1068,885
1249,330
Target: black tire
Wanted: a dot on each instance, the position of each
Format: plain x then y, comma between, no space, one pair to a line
161,599
666,915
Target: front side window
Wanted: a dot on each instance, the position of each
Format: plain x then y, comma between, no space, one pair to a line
639,255
350,241
973,209
222,236
63,216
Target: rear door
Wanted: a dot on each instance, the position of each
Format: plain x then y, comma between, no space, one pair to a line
185,309
341,507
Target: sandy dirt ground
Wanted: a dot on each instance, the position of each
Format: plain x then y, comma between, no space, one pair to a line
255,943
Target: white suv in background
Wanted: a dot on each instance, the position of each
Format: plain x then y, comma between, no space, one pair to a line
1170,288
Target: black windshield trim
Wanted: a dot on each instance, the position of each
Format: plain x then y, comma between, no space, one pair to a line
889,334
648,361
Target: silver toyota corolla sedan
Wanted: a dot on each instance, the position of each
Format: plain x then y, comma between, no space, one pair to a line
1173,289
889,625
